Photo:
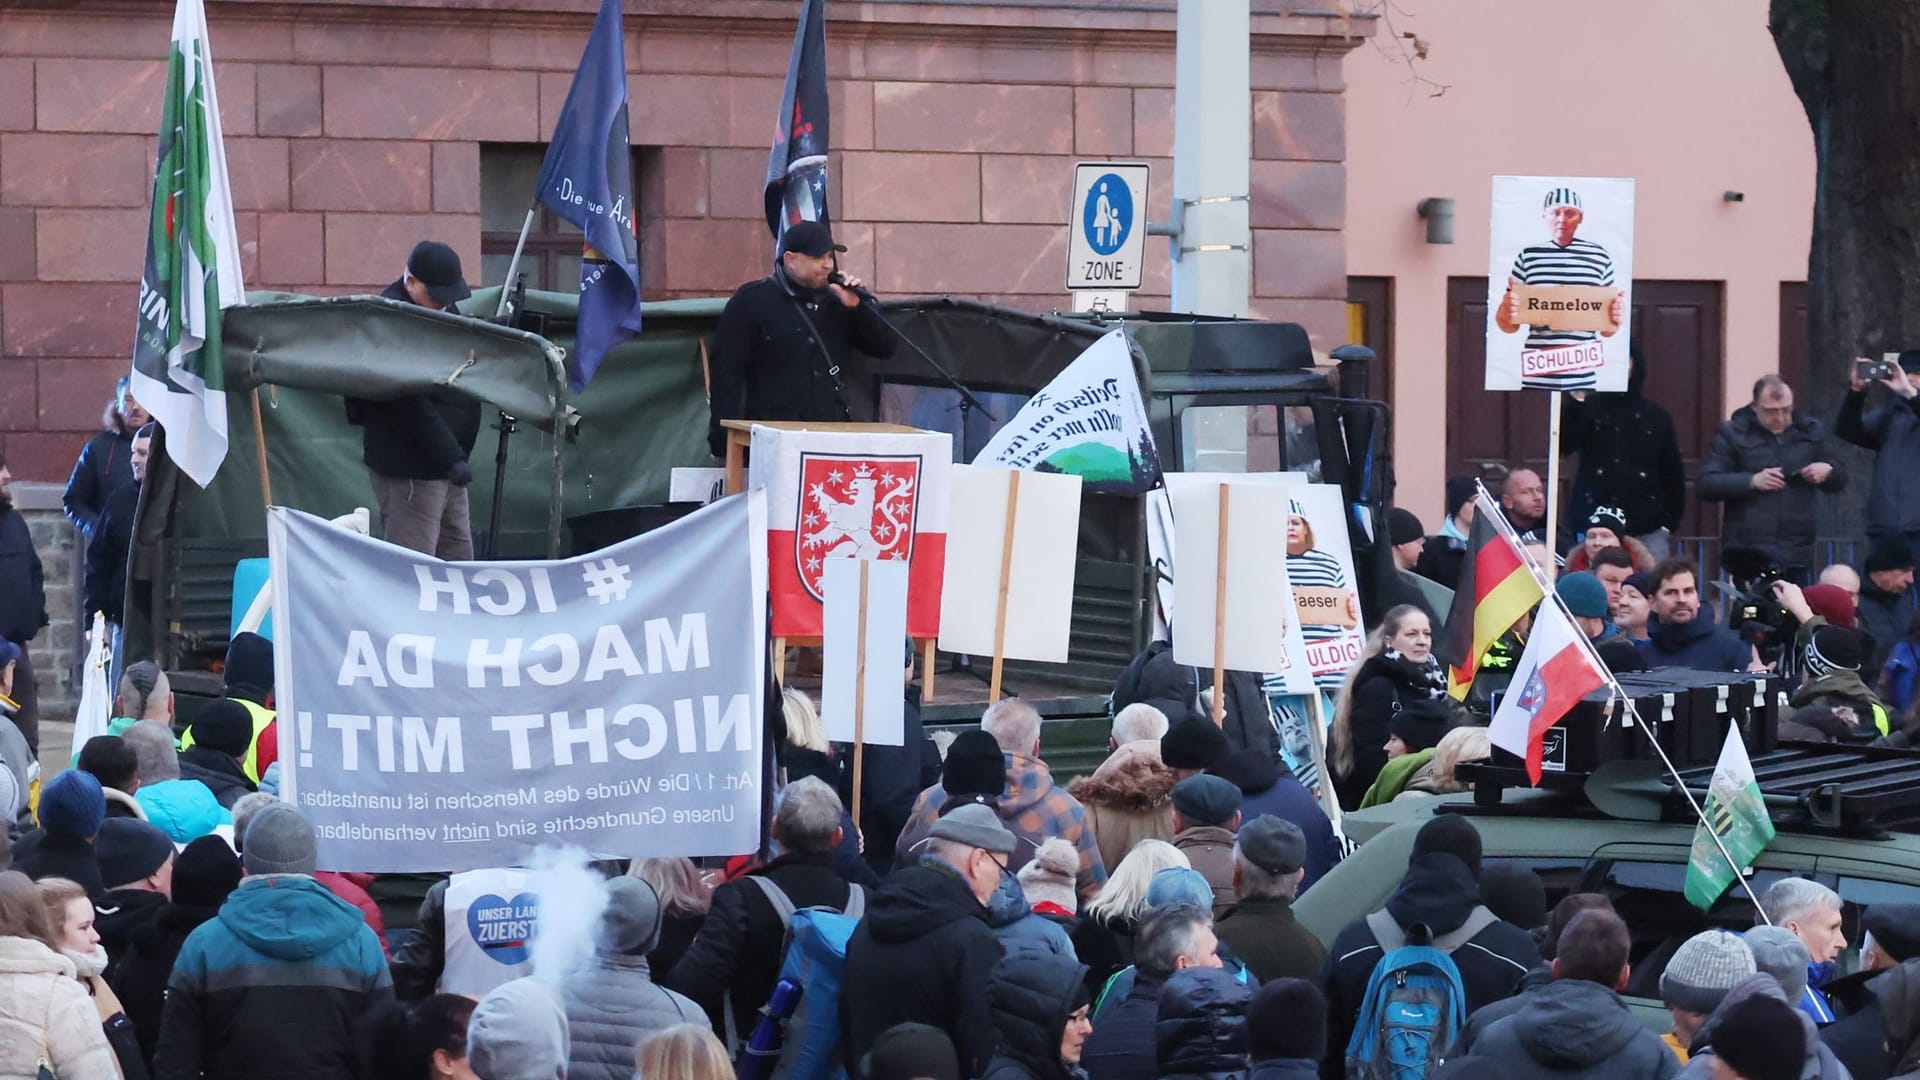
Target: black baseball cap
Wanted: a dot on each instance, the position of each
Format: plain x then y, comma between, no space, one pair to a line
437,266
809,238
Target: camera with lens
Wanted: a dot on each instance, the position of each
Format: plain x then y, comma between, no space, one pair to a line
1754,612
1883,368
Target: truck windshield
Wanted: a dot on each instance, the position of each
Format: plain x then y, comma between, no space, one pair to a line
1249,438
937,408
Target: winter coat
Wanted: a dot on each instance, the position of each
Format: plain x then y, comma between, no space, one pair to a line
922,954
1629,457
105,464
1441,559
1201,1026
1018,928
1396,776
1440,892
118,915
1893,430
1128,799
1493,1012
1643,560
1122,1045
277,982
1209,850
1702,645
220,772
892,777
1105,945
104,588
1030,997
614,1005
1786,520
353,889
1174,689
1263,932
185,810
1880,1035
1884,615
738,952
23,589
1384,686
1847,694
45,1015
121,1038
1266,789
1819,1064
139,977
1575,1028
41,854
768,364
416,436
1033,808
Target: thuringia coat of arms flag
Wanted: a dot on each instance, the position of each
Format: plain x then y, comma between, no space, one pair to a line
852,495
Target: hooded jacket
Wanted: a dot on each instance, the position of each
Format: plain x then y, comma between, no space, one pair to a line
613,1006
1174,689
1881,1036
185,810
1122,1046
119,914
1820,1062
1031,996
1629,457
1643,560
1893,431
41,854
1846,693
922,954
1201,1026
273,986
1575,1028
1438,891
1785,520
1129,798
1033,808
45,1014
1016,926
139,978
1702,645
1209,850
218,770
105,464
1384,686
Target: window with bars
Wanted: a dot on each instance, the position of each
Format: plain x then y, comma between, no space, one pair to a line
551,259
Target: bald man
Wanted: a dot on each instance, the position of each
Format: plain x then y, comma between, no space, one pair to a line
1524,500
1842,575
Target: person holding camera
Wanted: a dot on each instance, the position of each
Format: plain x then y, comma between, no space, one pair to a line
1892,430
1769,464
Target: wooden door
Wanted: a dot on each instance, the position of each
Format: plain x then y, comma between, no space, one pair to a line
1678,327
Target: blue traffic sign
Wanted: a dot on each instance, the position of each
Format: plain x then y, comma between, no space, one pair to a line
1106,217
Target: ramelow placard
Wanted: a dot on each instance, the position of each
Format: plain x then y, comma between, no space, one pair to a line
448,716
1325,591
1559,283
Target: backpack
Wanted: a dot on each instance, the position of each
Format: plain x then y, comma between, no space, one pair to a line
798,1035
1415,1003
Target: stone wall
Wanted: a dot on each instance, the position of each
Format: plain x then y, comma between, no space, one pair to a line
354,130
56,651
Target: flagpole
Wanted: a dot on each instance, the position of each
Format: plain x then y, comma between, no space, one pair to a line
1505,529
506,283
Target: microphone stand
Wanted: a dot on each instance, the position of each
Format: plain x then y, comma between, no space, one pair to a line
512,301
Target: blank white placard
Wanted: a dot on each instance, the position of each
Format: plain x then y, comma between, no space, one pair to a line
1262,630
884,705
1046,537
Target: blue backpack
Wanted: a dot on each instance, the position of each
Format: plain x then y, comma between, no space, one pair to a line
798,1035
1415,1004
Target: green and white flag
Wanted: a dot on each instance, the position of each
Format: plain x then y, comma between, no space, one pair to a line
193,261
1737,814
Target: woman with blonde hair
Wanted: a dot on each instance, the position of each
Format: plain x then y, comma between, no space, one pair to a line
70,926
684,1052
684,899
46,1020
1104,938
806,752
1463,744
1398,669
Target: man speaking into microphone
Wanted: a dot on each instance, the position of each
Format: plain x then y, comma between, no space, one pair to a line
781,350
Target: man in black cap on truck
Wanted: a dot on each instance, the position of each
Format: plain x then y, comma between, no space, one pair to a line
783,341
416,447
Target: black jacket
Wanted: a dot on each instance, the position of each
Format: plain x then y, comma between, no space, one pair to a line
41,854
1786,520
1439,891
118,915
139,979
1029,996
105,463
220,772
1702,645
767,365
1154,677
1893,432
892,777
23,589
1384,686
106,580
1881,1038
1629,458
1201,1026
419,436
1575,1028
1122,1045
1441,559
922,954
1266,789
1886,616
738,949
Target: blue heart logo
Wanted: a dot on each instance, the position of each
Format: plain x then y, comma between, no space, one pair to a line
504,928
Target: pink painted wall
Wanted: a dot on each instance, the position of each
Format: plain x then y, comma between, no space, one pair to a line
1689,99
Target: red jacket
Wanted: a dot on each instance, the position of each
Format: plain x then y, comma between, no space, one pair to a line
353,889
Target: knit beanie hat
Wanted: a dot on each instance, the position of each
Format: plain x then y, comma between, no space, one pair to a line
1703,969
1193,743
1832,603
1403,527
73,805
1449,834
1641,582
1833,649
913,1052
249,666
130,850
519,1032
279,840
1608,517
223,725
1762,1038
1780,953
1584,594
1049,877
1889,555
974,766
1516,894
1287,1019
205,872
1421,724
1460,491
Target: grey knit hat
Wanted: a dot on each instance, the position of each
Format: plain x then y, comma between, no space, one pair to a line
1780,953
279,840
1703,969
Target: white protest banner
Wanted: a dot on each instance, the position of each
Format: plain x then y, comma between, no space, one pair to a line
1320,567
1089,421
1039,566
449,716
1559,283
1259,628
866,609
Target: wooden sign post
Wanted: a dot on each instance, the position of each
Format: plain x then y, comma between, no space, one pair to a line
1006,580
860,696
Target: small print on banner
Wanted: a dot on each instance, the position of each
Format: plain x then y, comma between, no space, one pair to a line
884,700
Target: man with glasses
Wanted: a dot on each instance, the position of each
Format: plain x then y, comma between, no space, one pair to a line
923,953
1768,465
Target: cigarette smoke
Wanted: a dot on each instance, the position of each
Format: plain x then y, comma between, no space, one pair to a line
572,897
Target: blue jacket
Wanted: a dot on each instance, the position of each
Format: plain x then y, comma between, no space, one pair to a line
1289,800
1893,430
1702,645
273,986
183,809
1017,927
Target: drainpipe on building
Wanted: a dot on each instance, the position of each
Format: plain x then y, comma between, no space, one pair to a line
1209,237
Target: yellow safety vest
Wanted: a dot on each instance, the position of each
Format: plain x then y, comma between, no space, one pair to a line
262,716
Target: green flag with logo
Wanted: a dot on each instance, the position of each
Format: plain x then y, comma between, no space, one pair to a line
1735,812
193,261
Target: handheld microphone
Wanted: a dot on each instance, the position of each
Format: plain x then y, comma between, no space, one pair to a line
840,279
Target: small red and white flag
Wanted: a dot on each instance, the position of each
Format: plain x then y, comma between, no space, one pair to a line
1554,673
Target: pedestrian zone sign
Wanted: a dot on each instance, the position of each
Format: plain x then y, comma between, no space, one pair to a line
1107,225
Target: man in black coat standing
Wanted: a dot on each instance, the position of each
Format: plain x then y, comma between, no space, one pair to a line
784,340
1629,459
416,447
1769,464
23,605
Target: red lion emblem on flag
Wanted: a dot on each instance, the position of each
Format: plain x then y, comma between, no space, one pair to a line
854,507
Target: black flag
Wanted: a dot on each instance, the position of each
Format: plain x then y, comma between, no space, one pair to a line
797,167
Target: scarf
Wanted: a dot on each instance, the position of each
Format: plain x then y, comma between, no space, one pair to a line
88,965
1430,673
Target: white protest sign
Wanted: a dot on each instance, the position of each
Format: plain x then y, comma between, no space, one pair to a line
882,584
1559,283
1107,235
1039,574
449,716
1320,568
1260,630
1088,421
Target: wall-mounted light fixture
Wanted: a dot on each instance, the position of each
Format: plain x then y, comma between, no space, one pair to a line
1438,214
1733,196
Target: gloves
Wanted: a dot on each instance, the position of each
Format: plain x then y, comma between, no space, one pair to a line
460,475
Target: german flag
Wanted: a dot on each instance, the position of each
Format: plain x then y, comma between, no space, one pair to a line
1494,591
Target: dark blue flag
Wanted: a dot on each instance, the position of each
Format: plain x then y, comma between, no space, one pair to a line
588,180
797,168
